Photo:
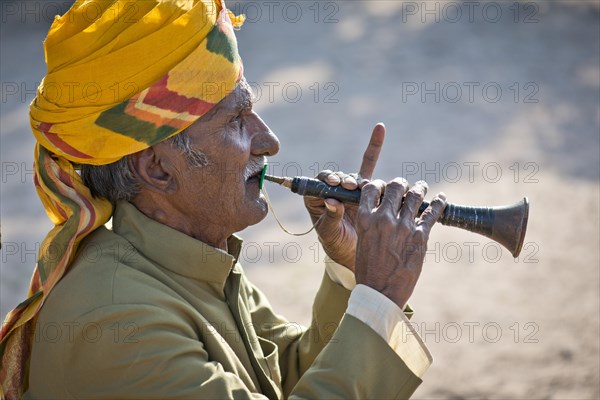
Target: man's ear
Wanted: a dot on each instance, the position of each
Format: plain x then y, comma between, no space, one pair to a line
154,169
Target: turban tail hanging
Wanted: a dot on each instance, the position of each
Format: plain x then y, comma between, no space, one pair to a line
123,75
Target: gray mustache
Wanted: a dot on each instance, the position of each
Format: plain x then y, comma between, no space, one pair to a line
255,165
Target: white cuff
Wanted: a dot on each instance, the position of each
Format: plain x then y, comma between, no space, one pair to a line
339,274
387,319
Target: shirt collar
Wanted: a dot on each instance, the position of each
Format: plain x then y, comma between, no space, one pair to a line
174,250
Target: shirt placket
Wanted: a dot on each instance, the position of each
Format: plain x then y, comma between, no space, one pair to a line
244,325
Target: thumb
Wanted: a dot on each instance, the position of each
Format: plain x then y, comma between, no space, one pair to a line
330,220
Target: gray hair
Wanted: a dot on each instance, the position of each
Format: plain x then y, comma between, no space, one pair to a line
117,181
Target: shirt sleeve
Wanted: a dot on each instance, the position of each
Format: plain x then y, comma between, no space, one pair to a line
340,274
384,317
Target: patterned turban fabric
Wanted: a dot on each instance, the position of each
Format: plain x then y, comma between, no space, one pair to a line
123,75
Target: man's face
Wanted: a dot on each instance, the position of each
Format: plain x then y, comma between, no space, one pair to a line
223,197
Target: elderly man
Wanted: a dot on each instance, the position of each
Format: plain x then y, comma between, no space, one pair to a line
158,306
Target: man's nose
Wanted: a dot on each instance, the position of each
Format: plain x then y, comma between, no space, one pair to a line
264,141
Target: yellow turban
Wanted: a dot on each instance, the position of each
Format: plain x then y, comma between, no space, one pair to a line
122,76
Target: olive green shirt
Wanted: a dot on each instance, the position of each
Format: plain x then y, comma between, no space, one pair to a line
149,312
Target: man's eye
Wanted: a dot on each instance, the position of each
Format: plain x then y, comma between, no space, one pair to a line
236,120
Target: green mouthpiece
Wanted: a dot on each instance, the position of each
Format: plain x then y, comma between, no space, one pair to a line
262,176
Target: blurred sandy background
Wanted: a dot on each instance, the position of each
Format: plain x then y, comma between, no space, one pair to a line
488,101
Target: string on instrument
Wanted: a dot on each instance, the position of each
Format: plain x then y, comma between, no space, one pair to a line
277,219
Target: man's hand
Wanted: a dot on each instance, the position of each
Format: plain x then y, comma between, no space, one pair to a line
335,223
392,241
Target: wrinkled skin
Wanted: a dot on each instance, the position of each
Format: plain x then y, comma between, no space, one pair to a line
211,202
382,240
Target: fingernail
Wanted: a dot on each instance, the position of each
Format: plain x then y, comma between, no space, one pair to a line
349,180
333,179
329,206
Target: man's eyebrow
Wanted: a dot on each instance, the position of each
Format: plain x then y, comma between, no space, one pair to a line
246,97
240,99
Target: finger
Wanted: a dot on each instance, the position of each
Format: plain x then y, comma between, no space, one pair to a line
371,154
329,177
333,179
394,192
331,218
362,183
433,212
324,174
371,193
412,201
349,182
320,209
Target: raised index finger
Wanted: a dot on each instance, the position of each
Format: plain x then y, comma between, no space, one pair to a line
371,155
